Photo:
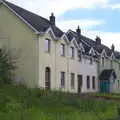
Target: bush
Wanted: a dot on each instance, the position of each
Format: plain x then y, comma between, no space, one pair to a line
7,66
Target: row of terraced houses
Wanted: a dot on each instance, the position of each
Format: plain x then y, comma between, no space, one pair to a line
52,59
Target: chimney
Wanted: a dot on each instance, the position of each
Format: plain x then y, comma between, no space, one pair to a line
52,19
78,31
98,40
113,48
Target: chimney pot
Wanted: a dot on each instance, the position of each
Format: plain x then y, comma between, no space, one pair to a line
113,47
98,40
52,19
78,31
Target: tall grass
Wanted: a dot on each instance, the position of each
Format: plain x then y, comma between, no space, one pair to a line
20,103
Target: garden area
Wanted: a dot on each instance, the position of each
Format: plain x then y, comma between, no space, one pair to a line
106,96
21,103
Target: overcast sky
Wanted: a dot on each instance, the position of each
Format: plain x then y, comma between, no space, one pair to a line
95,17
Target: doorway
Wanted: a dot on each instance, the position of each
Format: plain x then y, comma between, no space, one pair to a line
47,78
79,77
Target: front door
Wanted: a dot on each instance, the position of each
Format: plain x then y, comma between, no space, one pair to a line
47,78
104,86
79,77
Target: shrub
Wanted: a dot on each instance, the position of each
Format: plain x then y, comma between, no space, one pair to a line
7,66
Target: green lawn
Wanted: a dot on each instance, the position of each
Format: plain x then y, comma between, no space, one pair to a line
20,103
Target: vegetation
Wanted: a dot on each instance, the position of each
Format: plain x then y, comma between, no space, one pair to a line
114,96
20,103
7,66
109,95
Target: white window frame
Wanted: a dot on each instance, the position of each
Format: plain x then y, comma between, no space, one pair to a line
72,77
47,44
62,79
72,52
62,49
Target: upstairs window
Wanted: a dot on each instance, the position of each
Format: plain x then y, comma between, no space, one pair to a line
72,80
47,45
62,49
72,52
119,66
62,79
103,61
118,84
80,56
111,62
91,60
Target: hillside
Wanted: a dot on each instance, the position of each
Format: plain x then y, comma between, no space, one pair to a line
20,103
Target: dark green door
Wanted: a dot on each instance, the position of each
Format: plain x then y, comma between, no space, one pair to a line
104,86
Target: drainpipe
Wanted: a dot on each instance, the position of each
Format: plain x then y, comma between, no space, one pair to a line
98,71
68,68
55,68
37,61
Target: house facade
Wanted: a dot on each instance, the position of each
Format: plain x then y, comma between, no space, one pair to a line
49,58
108,60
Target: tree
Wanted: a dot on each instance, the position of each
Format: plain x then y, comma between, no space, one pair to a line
7,66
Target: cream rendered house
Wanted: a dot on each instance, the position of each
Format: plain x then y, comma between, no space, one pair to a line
108,65
48,57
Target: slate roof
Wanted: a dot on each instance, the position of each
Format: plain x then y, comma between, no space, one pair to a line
88,43
39,23
72,35
105,74
100,47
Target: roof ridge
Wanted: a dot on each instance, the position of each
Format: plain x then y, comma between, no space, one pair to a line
26,10
34,21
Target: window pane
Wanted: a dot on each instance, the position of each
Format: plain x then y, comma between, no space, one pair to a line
79,55
103,61
72,52
111,64
118,84
93,82
119,66
62,49
91,60
47,45
72,80
62,79
88,82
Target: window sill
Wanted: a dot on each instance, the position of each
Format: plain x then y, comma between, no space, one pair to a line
79,60
62,87
72,58
62,56
47,52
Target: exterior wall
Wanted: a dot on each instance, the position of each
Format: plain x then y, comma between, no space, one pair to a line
46,60
19,38
117,70
62,65
86,69
58,63
83,68
115,66
33,60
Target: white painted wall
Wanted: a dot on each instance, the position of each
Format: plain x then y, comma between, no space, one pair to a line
58,63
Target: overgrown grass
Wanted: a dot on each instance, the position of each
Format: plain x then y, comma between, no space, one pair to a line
109,95
20,103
